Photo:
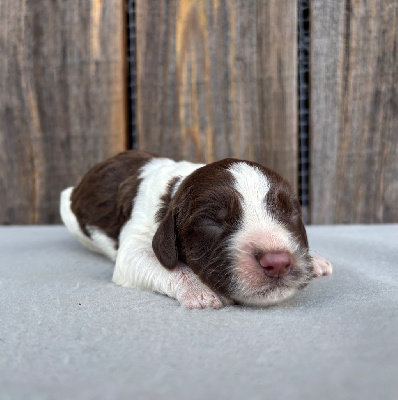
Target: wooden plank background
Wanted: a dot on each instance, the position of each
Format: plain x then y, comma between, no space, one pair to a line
354,111
217,79
62,99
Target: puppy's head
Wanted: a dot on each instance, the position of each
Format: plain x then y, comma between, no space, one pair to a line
238,226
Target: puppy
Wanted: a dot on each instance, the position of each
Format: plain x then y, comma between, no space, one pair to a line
208,235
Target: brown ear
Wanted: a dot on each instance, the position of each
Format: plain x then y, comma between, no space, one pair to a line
164,242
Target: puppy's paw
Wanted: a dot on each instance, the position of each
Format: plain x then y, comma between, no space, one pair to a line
321,266
192,293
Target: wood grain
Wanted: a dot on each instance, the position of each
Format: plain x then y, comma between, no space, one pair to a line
62,102
354,111
217,79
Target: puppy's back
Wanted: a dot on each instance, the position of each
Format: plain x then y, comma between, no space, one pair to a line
101,203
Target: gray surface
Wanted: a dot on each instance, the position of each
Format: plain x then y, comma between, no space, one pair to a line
66,332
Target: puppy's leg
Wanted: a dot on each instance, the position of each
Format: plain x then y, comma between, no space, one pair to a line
137,266
321,266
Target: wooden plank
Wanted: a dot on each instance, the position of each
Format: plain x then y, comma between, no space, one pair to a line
62,102
218,79
354,111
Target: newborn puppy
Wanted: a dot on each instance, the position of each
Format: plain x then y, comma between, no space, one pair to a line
207,235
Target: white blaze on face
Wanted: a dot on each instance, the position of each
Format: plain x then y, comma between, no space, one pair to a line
258,232
253,186
258,227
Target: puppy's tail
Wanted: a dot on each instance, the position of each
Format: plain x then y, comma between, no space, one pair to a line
69,218
65,209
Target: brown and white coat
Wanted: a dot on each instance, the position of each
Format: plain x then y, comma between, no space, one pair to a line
207,235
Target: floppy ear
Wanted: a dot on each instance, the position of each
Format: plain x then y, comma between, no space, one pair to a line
164,242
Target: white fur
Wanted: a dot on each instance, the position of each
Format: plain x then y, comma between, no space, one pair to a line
321,266
155,176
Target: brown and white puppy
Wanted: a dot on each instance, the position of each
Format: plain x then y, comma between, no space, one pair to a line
207,235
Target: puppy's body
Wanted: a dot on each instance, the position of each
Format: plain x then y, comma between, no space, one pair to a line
208,235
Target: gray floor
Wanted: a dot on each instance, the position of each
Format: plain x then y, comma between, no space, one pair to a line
66,332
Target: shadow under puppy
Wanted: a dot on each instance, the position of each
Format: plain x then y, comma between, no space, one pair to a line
207,235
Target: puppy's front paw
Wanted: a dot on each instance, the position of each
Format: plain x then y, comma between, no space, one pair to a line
321,266
192,293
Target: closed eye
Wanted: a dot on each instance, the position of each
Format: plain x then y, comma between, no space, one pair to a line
211,226
209,221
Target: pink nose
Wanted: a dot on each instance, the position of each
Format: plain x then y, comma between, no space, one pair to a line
276,264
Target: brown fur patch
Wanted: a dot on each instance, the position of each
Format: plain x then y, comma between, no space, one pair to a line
104,197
